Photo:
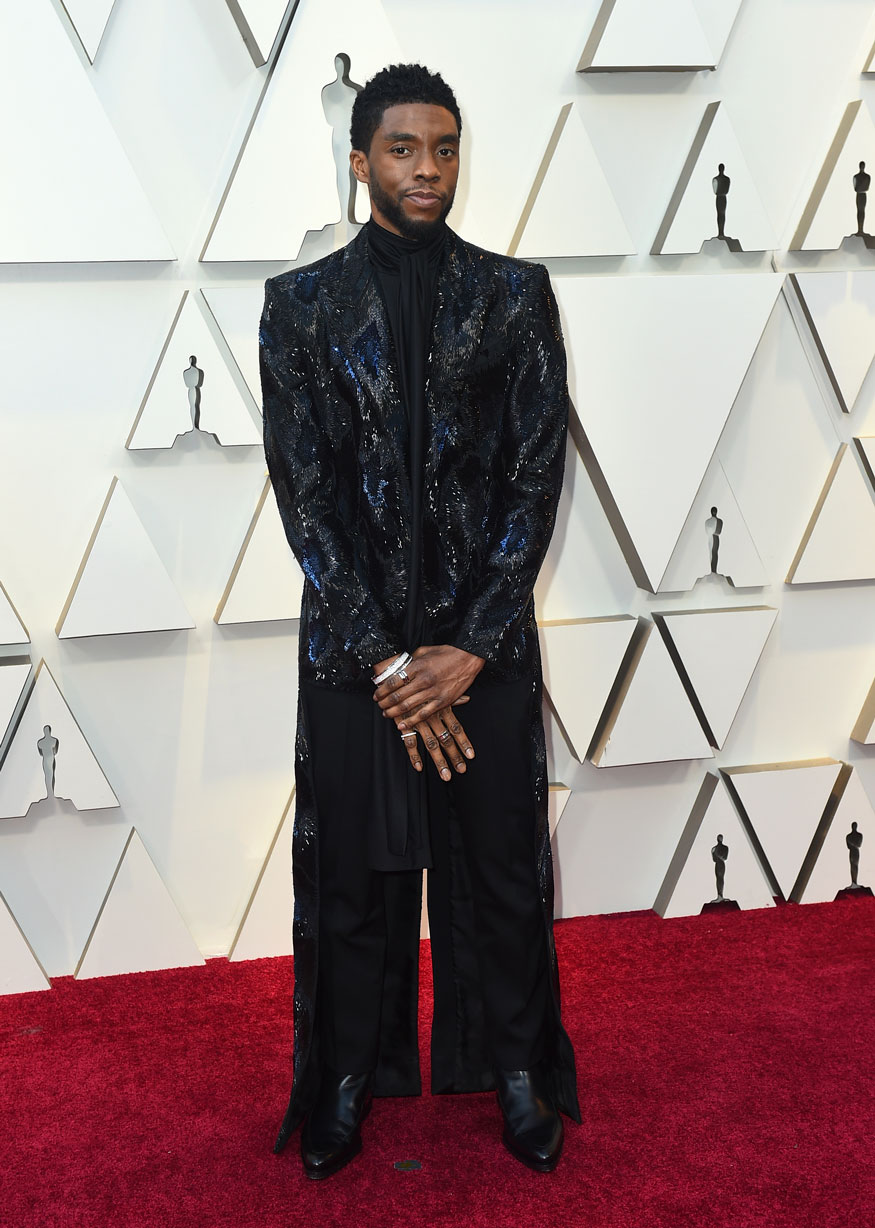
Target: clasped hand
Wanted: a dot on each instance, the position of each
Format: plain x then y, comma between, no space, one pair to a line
422,703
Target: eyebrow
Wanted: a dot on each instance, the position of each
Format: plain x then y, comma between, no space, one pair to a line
449,138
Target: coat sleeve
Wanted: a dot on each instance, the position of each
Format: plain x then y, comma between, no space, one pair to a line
301,466
535,425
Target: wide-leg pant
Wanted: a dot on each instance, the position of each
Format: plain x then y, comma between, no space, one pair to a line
494,801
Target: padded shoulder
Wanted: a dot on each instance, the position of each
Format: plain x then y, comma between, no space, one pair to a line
301,287
520,276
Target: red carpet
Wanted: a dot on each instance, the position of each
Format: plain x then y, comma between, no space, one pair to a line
725,1073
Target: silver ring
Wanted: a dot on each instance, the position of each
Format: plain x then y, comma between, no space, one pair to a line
408,735
445,735
402,674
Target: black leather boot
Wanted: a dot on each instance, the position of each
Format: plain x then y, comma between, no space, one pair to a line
532,1126
331,1136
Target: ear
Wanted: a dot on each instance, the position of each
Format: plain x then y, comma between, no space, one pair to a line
360,166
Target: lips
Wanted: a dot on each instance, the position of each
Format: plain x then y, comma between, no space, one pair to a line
425,200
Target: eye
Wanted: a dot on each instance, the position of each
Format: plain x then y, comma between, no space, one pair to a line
447,152
399,149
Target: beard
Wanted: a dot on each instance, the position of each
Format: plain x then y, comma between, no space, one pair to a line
392,209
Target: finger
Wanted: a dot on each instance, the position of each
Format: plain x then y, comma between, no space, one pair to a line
433,746
448,743
463,699
421,698
417,690
411,745
419,704
453,724
386,689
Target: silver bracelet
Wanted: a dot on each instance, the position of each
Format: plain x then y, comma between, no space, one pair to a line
400,661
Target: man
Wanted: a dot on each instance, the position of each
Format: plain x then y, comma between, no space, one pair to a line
415,409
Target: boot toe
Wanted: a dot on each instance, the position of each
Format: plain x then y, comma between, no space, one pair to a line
323,1158
538,1149
332,1132
533,1131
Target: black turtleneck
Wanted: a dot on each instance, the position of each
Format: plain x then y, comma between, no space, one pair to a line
406,272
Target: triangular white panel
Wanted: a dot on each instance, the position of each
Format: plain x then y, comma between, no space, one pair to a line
12,629
691,217
167,411
122,585
259,23
652,720
581,661
719,651
266,582
362,205
424,930
691,879
832,869
14,673
864,730
237,312
584,570
69,191
639,35
654,394
785,803
737,560
865,446
840,310
268,208
77,774
138,928
55,867
839,542
557,800
266,927
571,210
831,212
20,970
89,18
717,18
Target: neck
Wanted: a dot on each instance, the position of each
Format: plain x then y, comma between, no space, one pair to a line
431,234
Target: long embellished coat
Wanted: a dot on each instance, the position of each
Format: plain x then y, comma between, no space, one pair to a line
335,434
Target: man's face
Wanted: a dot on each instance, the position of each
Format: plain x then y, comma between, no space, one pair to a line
411,168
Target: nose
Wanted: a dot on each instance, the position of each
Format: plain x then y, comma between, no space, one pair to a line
427,167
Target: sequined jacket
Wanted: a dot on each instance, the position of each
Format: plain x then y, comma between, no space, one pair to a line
335,435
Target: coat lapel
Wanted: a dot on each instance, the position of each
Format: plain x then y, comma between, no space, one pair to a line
359,332
461,307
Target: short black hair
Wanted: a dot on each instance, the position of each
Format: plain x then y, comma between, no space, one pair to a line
399,83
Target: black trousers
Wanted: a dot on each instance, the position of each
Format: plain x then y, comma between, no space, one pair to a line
495,805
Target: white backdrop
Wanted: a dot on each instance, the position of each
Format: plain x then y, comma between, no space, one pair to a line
194,728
